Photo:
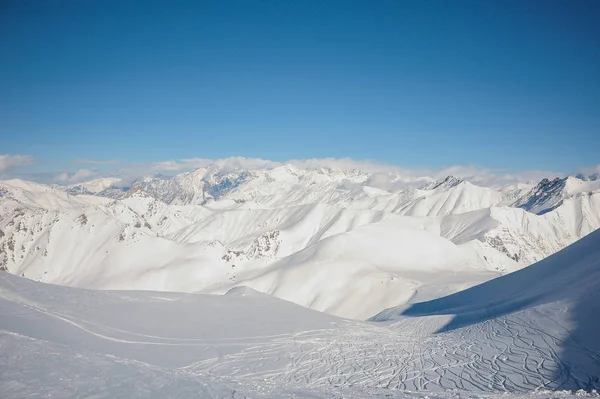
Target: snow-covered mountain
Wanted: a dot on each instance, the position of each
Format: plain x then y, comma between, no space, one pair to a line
94,186
448,182
273,187
524,335
319,237
537,327
550,193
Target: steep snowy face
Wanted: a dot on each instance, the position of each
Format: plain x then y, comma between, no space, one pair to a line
550,193
448,182
459,198
547,194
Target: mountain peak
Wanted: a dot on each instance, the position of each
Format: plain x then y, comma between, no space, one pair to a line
449,182
544,196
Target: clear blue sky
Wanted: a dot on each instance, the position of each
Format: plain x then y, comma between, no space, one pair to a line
507,84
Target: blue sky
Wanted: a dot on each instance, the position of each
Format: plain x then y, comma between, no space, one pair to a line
508,85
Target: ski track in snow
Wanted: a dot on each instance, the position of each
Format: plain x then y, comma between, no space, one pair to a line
490,357
506,354
77,373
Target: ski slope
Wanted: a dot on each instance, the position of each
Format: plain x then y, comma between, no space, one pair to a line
534,329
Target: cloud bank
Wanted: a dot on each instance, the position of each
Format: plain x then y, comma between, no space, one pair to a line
9,162
384,176
589,171
77,177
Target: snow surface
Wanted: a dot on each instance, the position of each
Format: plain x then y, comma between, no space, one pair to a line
322,238
347,243
541,324
525,333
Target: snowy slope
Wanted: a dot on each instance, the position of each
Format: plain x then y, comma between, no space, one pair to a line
548,194
316,254
441,199
117,247
535,327
375,260
44,196
523,236
531,330
459,197
64,342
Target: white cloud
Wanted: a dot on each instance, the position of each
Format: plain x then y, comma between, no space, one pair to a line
590,170
385,176
391,177
347,164
77,177
62,177
9,162
225,164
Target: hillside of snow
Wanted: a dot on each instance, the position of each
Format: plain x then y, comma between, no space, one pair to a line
520,335
547,195
538,326
321,238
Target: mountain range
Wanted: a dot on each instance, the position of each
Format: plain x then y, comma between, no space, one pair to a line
530,334
320,237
